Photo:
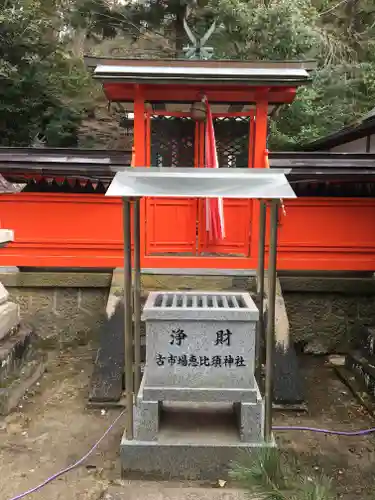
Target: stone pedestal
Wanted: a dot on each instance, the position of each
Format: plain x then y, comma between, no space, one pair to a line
199,405
9,312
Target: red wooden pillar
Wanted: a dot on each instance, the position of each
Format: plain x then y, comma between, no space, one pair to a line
140,156
139,128
260,143
250,161
261,116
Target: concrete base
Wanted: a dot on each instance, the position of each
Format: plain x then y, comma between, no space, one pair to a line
193,461
190,443
172,490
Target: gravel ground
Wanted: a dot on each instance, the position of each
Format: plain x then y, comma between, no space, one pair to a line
52,428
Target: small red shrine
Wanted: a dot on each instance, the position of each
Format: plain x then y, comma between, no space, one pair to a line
169,131
62,219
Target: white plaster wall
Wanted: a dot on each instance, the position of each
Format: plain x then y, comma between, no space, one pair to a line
358,146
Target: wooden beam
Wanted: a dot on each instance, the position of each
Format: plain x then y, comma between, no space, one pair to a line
235,108
189,93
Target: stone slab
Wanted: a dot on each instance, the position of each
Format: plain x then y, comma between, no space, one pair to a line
9,318
107,380
11,395
196,395
57,279
14,351
8,269
288,387
250,421
168,490
4,295
140,459
146,420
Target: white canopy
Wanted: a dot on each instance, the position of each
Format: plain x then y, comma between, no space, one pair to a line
201,183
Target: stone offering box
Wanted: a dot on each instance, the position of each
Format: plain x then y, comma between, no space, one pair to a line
200,347
199,402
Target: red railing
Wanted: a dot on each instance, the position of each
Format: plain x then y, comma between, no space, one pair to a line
80,230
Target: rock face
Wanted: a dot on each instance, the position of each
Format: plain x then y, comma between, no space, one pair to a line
325,314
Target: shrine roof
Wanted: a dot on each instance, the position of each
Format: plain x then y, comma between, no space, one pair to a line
203,72
363,127
92,62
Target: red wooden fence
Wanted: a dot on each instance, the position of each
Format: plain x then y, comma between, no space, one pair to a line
74,230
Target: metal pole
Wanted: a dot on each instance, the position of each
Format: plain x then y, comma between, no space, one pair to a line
261,242
137,294
128,323
270,338
260,286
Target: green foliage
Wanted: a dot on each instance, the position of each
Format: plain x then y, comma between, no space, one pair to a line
262,474
45,89
338,96
42,88
279,29
267,476
95,16
340,36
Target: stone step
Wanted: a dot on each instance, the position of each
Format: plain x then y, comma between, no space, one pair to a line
172,490
15,386
14,351
9,318
362,369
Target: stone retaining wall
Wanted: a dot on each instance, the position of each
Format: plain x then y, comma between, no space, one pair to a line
69,307
324,313
61,307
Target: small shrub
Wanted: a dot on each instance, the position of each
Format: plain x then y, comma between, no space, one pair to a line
268,476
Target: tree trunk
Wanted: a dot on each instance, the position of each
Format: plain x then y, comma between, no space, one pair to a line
179,33
78,43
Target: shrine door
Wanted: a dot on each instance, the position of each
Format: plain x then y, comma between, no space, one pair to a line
175,228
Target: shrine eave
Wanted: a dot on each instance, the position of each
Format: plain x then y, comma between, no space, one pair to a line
22,165
92,62
218,93
202,75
